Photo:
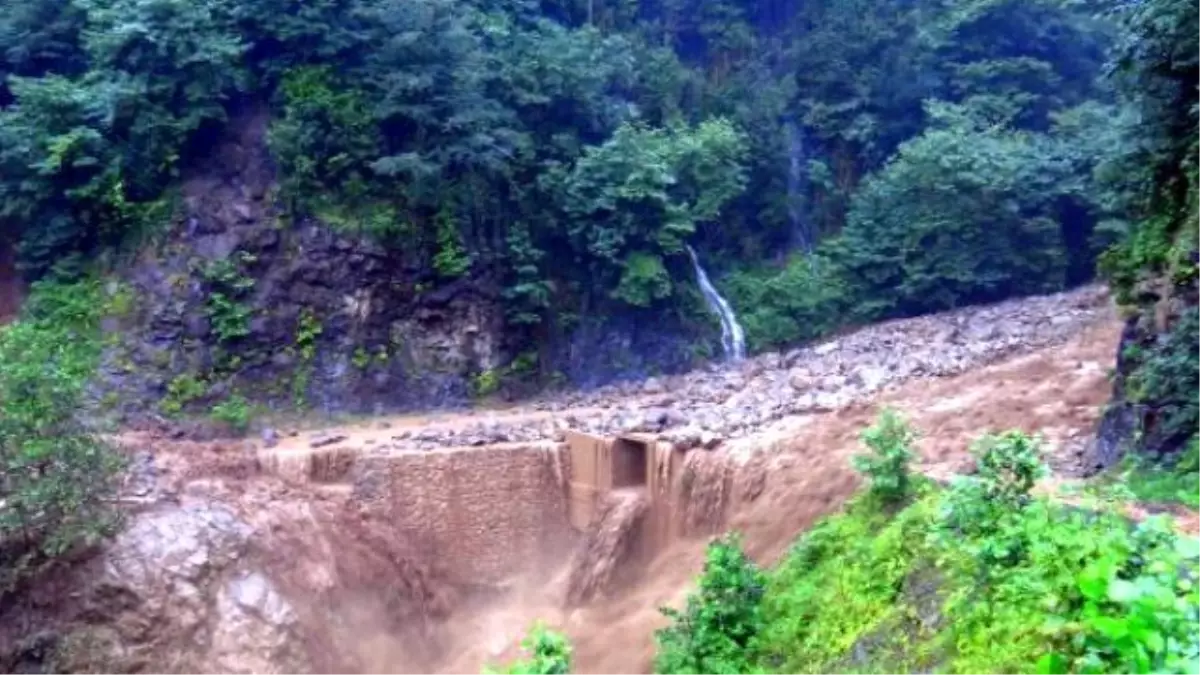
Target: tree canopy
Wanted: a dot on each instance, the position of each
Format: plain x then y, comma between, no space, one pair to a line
572,148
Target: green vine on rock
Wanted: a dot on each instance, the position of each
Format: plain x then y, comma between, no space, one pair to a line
308,330
229,287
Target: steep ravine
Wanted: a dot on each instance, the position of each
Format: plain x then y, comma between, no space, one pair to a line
230,563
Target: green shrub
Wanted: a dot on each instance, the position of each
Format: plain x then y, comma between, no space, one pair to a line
887,465
983,512
486,383
182,390
841,581
801,301
964,213
451,260
1163,383
228,287
549,653
1137,609
308,329
1008,465
714,633
57,476
234,412
980,577
1173,483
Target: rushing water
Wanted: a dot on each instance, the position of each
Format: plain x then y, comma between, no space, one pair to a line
733,338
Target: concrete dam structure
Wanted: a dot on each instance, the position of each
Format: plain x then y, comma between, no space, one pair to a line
487,514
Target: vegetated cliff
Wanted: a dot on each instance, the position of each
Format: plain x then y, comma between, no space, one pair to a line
1154,270
240,300
236,297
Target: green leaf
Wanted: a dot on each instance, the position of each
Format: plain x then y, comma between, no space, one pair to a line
1052,664
1122,591
1112,628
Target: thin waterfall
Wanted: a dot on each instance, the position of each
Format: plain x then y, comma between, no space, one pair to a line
733,338
795,184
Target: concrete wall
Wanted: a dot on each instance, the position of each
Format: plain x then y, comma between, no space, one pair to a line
485,513
599,465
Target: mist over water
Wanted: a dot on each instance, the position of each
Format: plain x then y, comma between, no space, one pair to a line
733,338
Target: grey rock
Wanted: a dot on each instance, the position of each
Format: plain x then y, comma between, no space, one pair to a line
652,386
322,440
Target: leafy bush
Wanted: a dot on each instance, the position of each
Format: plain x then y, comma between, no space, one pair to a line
840,580
486,382
451,259
1138,609
57,476
638,196
777,307
983,512
714,633
964,213
324,139
981,577
1007,466
182,390
1155,482
887,466
549,653
1163,382
228,287
234,412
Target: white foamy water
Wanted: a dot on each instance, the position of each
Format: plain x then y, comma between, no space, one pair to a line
733,338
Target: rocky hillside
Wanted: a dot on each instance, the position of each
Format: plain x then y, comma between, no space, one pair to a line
1153,271
239,300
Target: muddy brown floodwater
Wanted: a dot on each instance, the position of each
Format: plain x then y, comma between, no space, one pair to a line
794,473
375,548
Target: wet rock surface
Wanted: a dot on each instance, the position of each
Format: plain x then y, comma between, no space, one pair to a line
334,321
166,568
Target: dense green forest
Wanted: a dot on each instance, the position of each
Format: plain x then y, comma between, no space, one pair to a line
846,161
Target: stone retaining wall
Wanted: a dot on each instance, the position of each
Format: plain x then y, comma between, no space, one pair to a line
484,514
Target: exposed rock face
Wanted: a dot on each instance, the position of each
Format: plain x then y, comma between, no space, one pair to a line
629,347
328,318
1117,426
1159,334
168,566
336,322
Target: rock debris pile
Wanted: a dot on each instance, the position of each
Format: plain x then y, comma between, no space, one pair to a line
703,407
